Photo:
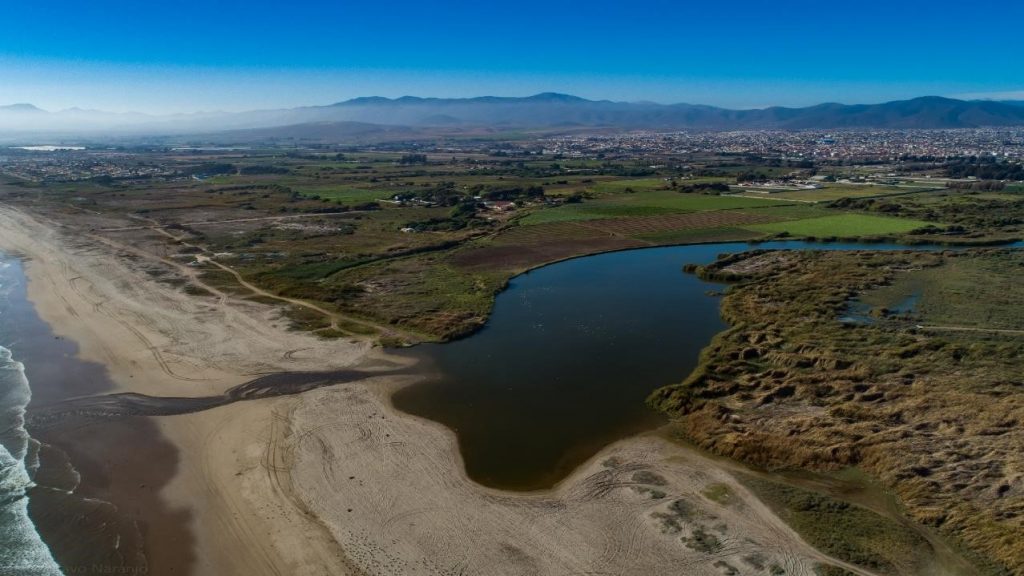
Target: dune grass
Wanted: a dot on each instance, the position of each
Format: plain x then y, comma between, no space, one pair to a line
843,530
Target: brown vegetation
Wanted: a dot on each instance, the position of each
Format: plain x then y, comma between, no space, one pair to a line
935,416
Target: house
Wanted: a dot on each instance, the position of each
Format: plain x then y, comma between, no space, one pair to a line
500,205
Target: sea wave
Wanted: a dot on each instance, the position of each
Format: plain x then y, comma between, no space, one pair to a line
22,550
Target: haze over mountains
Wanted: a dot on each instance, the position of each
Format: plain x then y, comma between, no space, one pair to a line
543,111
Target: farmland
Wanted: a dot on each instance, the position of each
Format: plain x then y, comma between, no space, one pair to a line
418,243
843,226
830,192
634,204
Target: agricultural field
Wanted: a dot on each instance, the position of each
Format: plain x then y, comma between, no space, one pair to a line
344,194
830,192
963,216
646,225
638,204
843,226
421,241
635,185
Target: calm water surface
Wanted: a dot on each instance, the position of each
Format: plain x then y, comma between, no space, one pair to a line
569,355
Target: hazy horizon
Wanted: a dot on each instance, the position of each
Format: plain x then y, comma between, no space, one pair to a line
995,97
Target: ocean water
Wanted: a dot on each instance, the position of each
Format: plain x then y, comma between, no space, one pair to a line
22,550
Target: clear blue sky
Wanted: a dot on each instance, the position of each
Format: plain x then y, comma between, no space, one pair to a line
233,55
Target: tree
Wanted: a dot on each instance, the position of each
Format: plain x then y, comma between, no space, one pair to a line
413,159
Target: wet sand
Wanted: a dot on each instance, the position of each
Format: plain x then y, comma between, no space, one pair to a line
95,502
115,521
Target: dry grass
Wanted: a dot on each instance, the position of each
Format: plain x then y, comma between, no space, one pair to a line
789,386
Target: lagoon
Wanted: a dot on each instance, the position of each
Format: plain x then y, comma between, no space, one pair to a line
570,353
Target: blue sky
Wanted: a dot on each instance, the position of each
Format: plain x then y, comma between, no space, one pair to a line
233,55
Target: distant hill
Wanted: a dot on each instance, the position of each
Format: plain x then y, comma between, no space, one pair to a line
542,111
21,108
550,109
316,132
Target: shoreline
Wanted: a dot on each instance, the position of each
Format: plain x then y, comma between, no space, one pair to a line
90,515
152,339
335,479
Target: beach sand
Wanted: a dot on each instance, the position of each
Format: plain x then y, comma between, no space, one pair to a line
334,480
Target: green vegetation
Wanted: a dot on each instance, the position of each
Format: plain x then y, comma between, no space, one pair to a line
843,226
831,192
984,169
422,240
422,294
719,493
642,204
703,541
700,235
953,215
625,186
784,211
344,194
972,293
568,213
676,516
843,530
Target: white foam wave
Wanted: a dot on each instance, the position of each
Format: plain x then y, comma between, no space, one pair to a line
22,551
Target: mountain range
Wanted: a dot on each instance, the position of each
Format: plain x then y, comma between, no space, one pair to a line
548,111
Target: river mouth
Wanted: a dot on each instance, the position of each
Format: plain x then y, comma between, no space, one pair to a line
569,355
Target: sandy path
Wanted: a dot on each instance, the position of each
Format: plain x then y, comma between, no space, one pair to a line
206,257
97,294
335,481
237,220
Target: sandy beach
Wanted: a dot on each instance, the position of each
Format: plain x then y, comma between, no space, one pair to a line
334,480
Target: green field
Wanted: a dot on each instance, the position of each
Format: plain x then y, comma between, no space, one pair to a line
345,194
842,226
643,204
836,191
784,211
699,235
651,184
639,185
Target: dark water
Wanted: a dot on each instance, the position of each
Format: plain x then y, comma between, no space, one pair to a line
569,355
